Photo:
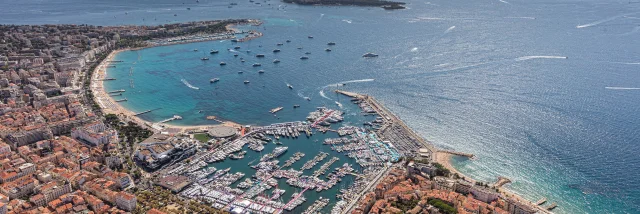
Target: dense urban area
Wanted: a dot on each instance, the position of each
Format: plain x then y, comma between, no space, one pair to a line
63,152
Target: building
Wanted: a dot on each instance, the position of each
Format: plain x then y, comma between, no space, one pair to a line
19,188
126,201
122,180
95,134
463,187
517,207
17,172
50,191
484,194
3,208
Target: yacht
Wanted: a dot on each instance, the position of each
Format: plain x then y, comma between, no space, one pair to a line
299,48
370,55
276,61
260,55
213,51
276,50
279,44
256,65
304,57
327,50
214,80
223,63
246,82
261,71
288,40
235,55
204,58
310,37
195,50
240,72
289,86
307,98
296,106
307,53
242,60
236,47
331,43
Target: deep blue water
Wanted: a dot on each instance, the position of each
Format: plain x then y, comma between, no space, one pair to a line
461,73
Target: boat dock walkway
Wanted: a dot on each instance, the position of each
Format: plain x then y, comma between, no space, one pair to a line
147,111
469,155
541,201
116,91
175,117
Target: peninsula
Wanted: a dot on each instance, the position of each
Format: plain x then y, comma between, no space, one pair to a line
376,3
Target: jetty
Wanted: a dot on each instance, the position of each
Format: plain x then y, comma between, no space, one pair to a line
541,201
462,154
501,182
116,91
552,206
175,117
147,111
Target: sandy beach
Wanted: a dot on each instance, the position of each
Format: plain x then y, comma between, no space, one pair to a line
445,159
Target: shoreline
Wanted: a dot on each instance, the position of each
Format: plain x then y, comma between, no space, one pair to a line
108,105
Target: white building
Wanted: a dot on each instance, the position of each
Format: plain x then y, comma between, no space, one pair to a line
95,134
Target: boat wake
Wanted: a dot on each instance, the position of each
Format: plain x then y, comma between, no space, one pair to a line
605,20
189,85
341,83
347,21
519,17
626,63
503,1
540,57
621,88
450,29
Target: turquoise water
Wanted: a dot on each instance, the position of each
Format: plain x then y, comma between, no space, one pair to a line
476,76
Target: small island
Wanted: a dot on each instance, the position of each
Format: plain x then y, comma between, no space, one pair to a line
387,5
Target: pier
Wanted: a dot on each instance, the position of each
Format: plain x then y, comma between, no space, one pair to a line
541,201
501,182
175,117
147,111
116,91
469,155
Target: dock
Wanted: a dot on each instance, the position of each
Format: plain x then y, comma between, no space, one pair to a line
552,206
541,201
462,154
147,111
501,181
116,91
175,117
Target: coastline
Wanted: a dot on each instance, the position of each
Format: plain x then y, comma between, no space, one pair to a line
108,105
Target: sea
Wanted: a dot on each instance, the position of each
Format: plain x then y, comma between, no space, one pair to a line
544,92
